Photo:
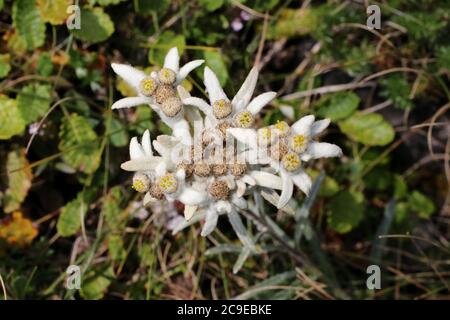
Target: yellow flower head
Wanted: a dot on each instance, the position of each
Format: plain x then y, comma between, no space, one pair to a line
291,162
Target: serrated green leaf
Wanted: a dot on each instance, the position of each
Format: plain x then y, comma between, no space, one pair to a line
5,67
96,26
120,136
370,129
78,142
11,121
215,61
294,22
166,40
27,21
338,106
420,203
95,283
33,101
346,211
54,11
45,64
111,209
69,221
19,180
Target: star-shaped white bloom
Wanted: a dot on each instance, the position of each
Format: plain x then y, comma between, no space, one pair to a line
159,89
240,111
284,148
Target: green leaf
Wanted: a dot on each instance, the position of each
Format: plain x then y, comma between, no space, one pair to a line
116,247
421,204
54,11
211,5
346,211
11,121
147,255
215,61
402,212
111,209
329,186
120,137
95,283
443,57
396,88
338,106
167,40
45,64
149,6
294,22
27,21
79,144
379,178
17,44
34,101
370,129
400,187
143,120
19,180
96,26
69,221
5,67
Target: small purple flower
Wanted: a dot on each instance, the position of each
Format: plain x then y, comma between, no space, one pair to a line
237,25
245,16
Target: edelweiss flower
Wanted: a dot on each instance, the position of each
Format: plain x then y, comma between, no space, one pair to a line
284,147
159,89
240,112
202,170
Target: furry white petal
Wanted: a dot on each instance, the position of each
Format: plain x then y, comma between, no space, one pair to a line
303,125
213,87
191,197
187,68
302,181
210,222
172,60
318,126
149,199
147,144
268,180
247,137
141,164
241,188
245,93
199,103
317,150
131,102
260,102
189,211
131,75
287,189
136,150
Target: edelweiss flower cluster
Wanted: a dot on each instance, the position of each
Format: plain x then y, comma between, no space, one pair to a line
210,162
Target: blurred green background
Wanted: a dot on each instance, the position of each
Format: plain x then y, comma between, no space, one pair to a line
64,199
